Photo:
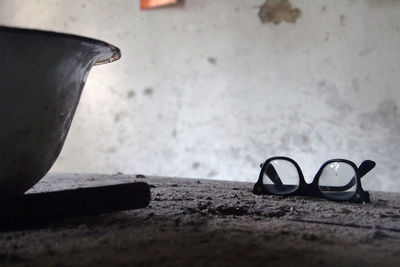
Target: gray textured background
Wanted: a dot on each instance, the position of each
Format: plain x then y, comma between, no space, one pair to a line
205,89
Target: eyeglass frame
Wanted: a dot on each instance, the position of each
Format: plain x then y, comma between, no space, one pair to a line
313,189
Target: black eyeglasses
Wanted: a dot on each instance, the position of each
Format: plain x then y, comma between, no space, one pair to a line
337,179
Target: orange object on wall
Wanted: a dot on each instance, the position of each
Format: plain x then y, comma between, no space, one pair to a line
146,4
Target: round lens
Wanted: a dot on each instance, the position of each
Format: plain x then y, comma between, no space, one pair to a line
280,177
338,180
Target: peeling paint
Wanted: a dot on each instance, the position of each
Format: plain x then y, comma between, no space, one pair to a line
148,91
355,84
333,98
212,60
276,11
343,19
386,115
131,94
195,165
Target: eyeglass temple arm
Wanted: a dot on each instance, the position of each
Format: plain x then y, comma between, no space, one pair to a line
365,167
272,174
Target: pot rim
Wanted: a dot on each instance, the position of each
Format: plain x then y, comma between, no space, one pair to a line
113,50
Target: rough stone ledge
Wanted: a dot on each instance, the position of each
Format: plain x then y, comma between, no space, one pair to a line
194,222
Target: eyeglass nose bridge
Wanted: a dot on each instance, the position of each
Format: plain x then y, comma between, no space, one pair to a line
309,189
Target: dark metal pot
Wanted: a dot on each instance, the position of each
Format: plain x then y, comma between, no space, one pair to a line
42,75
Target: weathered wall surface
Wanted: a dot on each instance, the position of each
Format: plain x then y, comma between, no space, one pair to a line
206,89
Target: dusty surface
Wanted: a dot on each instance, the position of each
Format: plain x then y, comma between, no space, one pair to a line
202,222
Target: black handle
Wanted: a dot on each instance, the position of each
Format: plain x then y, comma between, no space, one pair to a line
74,202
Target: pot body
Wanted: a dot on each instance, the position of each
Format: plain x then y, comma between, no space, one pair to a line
42,75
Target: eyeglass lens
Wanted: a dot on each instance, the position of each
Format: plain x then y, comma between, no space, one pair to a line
338,180
281,177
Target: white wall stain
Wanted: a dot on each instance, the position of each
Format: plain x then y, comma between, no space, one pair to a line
207,90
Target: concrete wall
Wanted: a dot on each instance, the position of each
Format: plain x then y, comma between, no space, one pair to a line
205,89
